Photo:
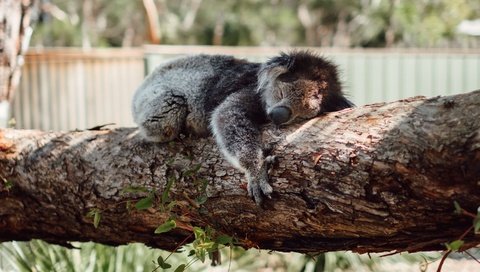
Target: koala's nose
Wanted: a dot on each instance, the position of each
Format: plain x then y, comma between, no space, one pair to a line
280,115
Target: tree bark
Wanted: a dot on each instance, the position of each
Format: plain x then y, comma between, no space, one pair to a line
371,179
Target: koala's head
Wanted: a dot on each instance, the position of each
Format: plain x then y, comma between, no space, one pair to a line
299,85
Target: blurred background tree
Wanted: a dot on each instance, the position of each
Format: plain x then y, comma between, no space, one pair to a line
341,23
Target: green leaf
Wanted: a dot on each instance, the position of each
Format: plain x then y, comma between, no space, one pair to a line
223,239
455,245
191,253
206,245
166,227
458,209
96,218
11,123
166,266
96,214
476,224
171,205
181,268
166,192
192,171
201,199
199,233
7,184
133,189
160,260
201,254
144,203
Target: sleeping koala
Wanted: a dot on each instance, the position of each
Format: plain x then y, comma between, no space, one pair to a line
232,99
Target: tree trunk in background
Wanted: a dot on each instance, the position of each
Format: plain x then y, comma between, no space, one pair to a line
15,34
375,178
152,21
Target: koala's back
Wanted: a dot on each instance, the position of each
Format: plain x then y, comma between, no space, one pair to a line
185,91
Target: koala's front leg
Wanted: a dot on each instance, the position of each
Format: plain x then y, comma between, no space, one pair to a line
160,114
236,125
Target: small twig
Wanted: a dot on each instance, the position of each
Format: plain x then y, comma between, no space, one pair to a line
465,233
444,257
424,265
176,248
439,269
469,214
471,256
230,258
191,262
388,254
182,243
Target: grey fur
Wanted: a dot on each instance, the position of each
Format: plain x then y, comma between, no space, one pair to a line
232,99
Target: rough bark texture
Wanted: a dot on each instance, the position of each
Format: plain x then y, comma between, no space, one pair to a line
375,178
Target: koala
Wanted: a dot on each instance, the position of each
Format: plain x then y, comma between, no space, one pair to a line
232,99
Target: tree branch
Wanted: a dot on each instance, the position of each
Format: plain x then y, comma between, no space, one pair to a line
375,178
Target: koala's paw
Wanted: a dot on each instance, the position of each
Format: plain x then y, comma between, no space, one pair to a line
271,161
258,187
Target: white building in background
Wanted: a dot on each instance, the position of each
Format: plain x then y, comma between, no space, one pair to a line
469,27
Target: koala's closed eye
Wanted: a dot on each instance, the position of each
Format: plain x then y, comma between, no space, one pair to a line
317,94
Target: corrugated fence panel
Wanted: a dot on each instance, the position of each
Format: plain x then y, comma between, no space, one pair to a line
64,89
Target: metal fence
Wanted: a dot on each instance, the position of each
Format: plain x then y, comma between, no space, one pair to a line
64,89
70,88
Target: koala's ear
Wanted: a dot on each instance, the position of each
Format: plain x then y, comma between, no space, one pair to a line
287,60
279,64
270,70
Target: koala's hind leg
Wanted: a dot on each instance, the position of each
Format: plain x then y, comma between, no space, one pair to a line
161,118
236,125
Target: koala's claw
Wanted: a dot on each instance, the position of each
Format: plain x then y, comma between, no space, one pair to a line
271,160
257,190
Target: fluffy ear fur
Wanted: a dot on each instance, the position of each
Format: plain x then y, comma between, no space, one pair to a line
271,69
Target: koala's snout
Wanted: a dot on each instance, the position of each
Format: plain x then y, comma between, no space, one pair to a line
280,115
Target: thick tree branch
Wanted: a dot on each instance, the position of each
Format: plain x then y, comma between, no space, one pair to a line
375,178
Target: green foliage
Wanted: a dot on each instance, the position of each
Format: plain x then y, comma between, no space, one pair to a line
134,190
11,123
89,257
96,215
224,240
166,192
162,264
458,208
145,203
476,222
455,245
193,171
7,184
166,227
344,23
180,268
40,256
